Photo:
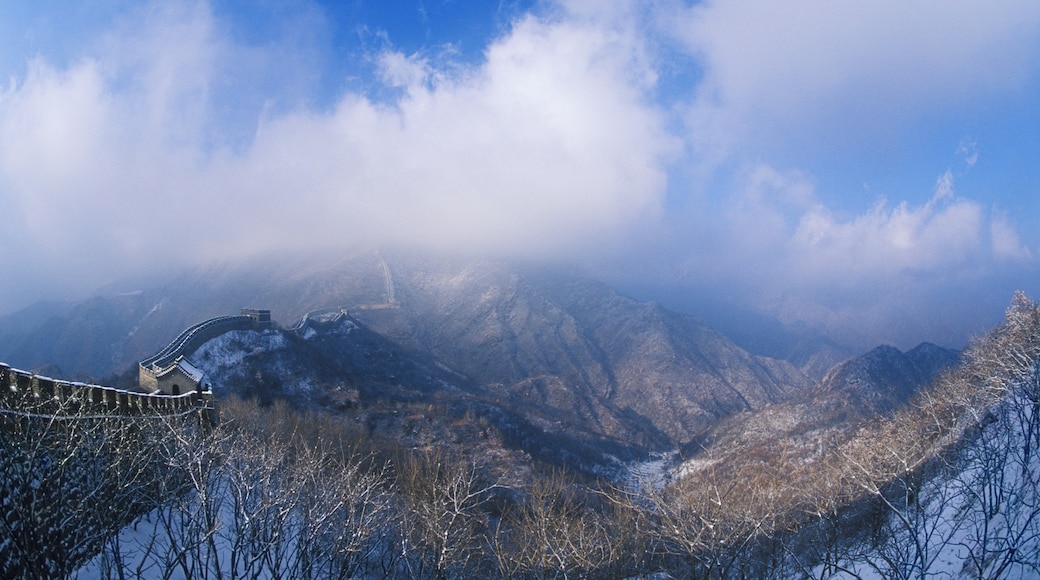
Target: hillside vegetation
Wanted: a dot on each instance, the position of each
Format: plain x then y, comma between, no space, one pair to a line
947,485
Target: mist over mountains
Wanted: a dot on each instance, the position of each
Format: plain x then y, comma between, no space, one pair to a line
129,320
547,345
524,371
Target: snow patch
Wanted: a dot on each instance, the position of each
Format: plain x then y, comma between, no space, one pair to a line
231,348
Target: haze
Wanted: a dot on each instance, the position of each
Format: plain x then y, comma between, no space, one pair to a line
869,170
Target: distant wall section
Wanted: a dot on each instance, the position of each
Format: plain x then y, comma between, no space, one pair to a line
169,372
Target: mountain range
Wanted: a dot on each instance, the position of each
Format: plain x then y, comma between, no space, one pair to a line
541,349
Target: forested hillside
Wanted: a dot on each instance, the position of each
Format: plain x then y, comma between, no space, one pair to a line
948,485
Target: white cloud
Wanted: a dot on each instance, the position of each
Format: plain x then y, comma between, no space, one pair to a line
896,272
549,145
54,124
822,73
172,140
542,146
969,150
943,187
401,71
777,239
1007,245
780,224
886,242
763,213
782,236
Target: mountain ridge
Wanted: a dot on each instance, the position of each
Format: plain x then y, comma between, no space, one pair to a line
587,358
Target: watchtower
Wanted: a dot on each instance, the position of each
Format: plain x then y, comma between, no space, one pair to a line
261,318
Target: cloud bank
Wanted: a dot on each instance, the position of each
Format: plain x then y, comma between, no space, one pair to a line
549,141
713,147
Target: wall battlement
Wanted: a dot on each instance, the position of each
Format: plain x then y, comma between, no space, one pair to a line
322,318
55,396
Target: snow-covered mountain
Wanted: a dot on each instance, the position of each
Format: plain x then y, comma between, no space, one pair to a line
575,355
896,464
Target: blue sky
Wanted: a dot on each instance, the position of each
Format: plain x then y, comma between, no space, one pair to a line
867,169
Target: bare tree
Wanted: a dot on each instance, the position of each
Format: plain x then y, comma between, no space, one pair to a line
272,493
710,518
1000,484
553,531
445,522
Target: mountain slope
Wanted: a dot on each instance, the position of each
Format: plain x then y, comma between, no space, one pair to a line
570,352
561,341
884,378
873,385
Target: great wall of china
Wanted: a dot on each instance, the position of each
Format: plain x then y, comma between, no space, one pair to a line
168,383
54,397
170,373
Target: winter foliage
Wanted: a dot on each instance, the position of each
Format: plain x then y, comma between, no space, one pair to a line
947,486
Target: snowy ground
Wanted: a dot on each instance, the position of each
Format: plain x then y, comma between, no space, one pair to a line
979,519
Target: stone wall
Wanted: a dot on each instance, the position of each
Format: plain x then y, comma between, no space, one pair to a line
151,370
186,343
19,389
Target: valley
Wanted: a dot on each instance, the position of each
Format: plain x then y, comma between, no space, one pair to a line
531,381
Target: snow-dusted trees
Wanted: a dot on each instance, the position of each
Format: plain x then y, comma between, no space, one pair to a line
71,475
999,477
304,504
559,528
444,521
955,478
272,493
999,485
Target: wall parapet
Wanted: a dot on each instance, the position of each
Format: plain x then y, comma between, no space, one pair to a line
196,335
25,393
156,373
